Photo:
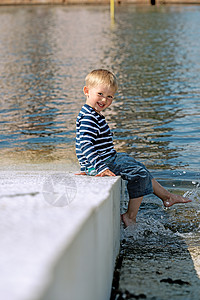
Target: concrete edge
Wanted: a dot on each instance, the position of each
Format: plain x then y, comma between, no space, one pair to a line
84,268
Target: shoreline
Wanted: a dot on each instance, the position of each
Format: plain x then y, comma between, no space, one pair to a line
97,3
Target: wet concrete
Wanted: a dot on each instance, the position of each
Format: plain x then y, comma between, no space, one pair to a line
162,272
156,263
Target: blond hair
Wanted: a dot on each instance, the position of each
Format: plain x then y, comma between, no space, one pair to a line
101,76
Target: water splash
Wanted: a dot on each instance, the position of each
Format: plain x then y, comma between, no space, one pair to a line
151,231
194,194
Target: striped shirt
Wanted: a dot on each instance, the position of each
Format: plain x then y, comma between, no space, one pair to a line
94,143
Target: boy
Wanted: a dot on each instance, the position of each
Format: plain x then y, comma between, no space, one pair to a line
96,153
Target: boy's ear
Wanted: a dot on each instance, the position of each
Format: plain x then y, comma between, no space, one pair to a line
86,90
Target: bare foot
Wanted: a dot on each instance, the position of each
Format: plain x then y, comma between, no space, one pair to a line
127,221
173,199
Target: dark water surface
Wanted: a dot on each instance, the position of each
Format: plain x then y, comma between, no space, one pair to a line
45,54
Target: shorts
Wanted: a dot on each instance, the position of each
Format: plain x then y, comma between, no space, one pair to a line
138,177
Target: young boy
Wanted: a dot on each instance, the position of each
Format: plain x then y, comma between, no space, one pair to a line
96,153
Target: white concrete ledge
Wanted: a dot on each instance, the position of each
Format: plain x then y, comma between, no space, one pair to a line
58,250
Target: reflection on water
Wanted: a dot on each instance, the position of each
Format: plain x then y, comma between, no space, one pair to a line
154,51
45,55
159,117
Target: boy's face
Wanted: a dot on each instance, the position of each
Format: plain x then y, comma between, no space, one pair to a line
99,97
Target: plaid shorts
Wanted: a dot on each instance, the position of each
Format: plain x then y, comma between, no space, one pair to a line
138,177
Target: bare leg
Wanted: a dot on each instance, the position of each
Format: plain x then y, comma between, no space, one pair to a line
168,198
129,218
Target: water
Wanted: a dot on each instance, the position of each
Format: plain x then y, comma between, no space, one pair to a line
45,55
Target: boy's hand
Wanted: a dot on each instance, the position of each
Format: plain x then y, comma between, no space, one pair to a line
105,173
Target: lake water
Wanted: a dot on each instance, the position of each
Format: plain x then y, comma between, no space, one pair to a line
45,54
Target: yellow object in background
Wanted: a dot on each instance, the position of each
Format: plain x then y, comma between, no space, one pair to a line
112,9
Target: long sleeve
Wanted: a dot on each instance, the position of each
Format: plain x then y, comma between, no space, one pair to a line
94,144
88,133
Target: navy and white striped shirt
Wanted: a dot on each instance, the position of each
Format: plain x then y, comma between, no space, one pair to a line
94,143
